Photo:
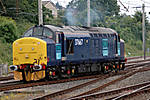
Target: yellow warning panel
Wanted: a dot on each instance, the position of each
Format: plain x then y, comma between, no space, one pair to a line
38,75
28,50
18,75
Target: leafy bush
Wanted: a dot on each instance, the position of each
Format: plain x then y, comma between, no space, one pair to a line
5,53
7,29
22,26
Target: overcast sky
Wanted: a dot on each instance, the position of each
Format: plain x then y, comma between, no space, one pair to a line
131,4
127,3
62,2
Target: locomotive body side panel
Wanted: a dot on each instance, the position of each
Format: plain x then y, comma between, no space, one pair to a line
102,48
77,50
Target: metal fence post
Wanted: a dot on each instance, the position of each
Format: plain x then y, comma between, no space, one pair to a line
0,70
5,69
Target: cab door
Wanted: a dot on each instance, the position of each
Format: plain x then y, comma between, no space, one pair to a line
105,47
59,45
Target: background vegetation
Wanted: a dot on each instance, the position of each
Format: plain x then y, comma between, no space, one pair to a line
104,13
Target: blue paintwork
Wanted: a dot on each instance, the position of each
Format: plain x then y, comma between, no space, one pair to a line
86,50
90,45
121,56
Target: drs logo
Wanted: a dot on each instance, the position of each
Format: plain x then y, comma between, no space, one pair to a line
78,41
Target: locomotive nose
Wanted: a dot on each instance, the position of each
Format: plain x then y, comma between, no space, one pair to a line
28,53
27,50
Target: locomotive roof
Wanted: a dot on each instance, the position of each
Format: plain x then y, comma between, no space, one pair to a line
77,31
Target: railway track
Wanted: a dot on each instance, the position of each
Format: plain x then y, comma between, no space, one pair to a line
63,92
17,85
5,84
112,82
6,78
121,92
143,89
38,83
79,86
131,66
135,57
138,61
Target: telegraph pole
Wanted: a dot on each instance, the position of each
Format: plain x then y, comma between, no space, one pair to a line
3,6
17,7
88,14
143,28
40,13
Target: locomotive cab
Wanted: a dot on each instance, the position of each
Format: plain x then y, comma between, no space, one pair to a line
30,54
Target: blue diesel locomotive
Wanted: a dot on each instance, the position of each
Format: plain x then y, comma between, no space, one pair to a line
49,52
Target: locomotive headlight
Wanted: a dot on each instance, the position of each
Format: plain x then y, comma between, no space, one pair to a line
13,67
37,67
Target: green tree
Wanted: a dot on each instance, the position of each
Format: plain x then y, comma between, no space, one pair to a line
58,6
77,11
7,29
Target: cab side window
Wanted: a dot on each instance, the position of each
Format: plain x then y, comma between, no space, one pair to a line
38,31
28,33
47,32
70,46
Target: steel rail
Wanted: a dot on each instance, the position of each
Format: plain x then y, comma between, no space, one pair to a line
39,83
6,78
133,71
112,82
78,86
112,92
132,92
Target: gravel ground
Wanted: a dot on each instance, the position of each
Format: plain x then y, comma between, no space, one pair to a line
48,89
135,79
87,88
